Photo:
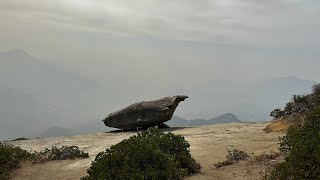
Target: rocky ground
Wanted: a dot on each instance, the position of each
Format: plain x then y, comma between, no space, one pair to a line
209,145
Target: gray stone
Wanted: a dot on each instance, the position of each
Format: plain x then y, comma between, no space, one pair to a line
144,114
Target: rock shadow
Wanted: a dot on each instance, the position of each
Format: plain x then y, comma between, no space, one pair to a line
167,129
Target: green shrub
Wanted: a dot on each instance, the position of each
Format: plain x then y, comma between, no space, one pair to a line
55,153
20,139
302,146
236,155
151,154
277,113
232,157
300,104
10,158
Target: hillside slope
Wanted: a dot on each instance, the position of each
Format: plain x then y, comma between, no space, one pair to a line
35,95
209,145
225,118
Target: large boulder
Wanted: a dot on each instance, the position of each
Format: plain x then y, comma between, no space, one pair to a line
144,114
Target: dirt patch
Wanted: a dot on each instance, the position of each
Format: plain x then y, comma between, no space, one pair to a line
278,125
208,145
281,124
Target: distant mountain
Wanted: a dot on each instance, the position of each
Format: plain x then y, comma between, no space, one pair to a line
284,86
267,95
35,95
257,100
98,126
225,118
82,128
91,127
248,100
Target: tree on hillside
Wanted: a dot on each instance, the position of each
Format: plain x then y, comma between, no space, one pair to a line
316,89
276,113
300,104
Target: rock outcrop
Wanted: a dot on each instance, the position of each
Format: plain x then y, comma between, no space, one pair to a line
144,114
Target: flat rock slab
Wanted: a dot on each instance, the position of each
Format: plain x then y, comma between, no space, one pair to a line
208,145
144,114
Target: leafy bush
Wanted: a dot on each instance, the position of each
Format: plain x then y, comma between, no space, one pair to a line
55,153
151,154
10,158
236,155
300,104
232,157
20,139
302,146
277,113
316,89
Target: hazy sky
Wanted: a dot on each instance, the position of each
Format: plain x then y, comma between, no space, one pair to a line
152,48
43,26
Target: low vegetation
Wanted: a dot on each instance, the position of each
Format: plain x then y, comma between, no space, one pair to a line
300,104
294,111
151,154
301,146
232,157
11,156
55,153
20,139
267,158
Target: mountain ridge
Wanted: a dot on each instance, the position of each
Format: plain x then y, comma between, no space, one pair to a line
35,93
98,126
224,118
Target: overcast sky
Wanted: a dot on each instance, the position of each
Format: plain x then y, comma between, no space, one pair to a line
41,25
160,47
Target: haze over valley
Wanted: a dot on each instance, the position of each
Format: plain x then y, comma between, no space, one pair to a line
66,65
37,95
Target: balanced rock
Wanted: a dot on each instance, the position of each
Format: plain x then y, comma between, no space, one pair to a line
144,114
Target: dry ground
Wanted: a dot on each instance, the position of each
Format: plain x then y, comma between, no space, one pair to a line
209,145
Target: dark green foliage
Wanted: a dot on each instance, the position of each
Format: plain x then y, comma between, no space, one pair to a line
316,89
277,113
55,153
151,154
232,157
315,97
20,139
300,104
236,155
10,158
302,146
